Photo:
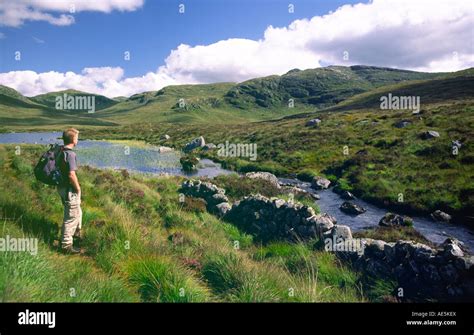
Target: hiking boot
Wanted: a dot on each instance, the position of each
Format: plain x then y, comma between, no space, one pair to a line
70,250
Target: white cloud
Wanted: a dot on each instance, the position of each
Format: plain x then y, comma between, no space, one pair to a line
108,81
424,35
14,13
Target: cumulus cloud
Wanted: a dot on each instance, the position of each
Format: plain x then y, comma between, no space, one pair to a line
423,35
14,13
108,81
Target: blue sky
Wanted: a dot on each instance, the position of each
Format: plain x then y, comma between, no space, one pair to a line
220,40
149,33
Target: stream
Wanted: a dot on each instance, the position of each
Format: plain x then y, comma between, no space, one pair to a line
144,158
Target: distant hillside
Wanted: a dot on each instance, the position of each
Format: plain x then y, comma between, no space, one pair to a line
320,87
49,99
7,93
253,100
430,91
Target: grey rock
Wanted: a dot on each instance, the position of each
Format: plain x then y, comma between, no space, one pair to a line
162,149
165,137
351,208
429,134
449,273
264,176
313,122
320,183
402,124
341,232
390,220
315,196
198,142
441,216
223,208
452,250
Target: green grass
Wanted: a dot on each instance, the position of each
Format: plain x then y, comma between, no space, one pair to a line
147,246
359,149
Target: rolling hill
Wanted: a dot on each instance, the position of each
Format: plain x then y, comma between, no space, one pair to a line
49,99
253,100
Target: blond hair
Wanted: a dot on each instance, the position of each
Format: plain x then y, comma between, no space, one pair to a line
69,135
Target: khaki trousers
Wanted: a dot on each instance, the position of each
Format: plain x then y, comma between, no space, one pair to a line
72,220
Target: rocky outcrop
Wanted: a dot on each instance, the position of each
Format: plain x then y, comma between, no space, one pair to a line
351,208
391,220
269,219
271,178
320,183
216,200
421,271
196,143
441,216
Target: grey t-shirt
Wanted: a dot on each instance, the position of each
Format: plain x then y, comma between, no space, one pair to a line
67,163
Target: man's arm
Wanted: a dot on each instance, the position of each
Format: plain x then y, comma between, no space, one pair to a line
74,182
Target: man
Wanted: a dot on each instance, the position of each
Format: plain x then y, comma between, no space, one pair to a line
70,192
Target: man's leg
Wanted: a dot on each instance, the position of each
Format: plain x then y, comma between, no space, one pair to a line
72,219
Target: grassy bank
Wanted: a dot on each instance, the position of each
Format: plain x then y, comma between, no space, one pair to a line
142,244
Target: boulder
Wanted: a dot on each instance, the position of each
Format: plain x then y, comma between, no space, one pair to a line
341,232
402,124
351,208
320,183
451,249
429,134
198,142
165,137
162,149
223,208
441,216
324,222
313,122
264,176
315,196
391,219
212,194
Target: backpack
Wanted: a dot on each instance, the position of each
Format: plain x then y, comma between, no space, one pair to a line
47,170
